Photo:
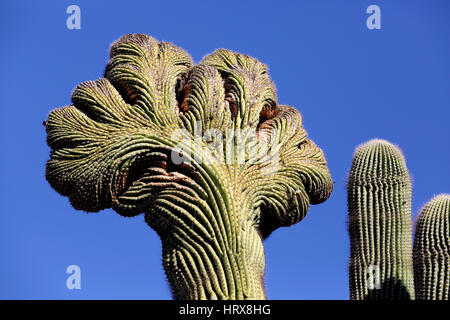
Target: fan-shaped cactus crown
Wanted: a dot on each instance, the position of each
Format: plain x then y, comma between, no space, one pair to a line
205,151
113,146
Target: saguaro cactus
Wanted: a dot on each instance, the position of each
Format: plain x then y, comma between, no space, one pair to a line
432,250
205,152
379,208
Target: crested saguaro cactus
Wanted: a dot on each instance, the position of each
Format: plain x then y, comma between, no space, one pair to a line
379,208
205,152
432,250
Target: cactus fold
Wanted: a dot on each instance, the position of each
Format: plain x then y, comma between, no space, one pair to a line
116,146
432,250
379,209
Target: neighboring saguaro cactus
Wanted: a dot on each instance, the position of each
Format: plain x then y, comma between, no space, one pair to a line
432,250
205,152
379,208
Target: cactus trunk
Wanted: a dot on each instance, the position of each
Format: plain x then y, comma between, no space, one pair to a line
198,269
211,250
379,208
432,250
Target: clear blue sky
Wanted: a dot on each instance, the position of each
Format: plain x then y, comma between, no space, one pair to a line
350,83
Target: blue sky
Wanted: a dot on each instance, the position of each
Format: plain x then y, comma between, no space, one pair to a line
350,83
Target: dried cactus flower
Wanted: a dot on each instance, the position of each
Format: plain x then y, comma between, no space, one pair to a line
204,151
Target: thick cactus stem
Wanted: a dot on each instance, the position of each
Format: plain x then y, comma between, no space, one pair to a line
432,250
379,208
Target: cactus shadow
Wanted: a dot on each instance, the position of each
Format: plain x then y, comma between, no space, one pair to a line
391,289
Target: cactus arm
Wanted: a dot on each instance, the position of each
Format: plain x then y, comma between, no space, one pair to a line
432,250
379,208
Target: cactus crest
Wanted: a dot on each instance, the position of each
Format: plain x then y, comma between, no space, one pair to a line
432,250
204,151
379,208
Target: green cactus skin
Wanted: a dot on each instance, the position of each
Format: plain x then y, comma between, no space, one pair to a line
432,250
115,146
379,208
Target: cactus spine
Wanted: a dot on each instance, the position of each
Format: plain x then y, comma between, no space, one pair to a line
379,207
432,249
